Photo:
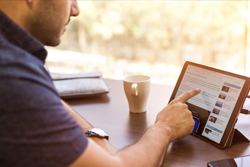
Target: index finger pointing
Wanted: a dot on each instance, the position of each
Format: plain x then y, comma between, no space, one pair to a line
187,95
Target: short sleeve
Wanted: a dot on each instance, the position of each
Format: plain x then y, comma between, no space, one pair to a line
35,129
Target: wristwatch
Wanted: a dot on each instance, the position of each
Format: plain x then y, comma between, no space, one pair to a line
95,132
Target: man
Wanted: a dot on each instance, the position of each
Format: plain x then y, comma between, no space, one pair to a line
37,128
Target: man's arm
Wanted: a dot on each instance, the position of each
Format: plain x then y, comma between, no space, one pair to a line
173,122
85,125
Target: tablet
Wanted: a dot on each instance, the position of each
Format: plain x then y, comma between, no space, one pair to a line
216,108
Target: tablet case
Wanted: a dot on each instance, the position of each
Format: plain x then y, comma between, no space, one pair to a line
236,138
79,85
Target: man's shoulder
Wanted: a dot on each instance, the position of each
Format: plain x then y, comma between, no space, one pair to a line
17,62
11,52
21,72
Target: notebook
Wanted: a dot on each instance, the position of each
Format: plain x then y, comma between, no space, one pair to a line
79,85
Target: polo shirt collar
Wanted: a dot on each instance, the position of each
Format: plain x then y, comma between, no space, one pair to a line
21,38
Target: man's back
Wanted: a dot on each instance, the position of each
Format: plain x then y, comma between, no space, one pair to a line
35,129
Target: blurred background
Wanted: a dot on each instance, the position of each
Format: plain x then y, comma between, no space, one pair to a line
154,38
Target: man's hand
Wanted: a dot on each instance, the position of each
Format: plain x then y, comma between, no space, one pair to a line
176,117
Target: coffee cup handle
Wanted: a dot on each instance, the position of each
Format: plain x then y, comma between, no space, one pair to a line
134,89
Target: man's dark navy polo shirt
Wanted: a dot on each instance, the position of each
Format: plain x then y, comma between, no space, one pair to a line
35,130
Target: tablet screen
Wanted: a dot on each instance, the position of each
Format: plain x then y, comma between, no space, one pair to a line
212,109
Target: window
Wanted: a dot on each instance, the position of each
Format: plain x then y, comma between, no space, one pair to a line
154,38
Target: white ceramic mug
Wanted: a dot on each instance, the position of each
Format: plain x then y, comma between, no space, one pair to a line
137,88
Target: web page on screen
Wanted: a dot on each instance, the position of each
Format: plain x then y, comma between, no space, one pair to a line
213,107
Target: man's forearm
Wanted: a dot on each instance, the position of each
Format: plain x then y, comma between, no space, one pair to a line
85,125
152,153
149,150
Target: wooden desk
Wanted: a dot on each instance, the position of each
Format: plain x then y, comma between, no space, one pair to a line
111,113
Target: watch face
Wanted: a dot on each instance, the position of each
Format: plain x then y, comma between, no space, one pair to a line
99,131
95,132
